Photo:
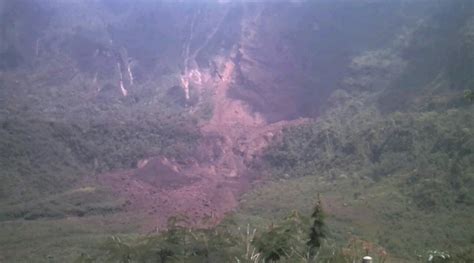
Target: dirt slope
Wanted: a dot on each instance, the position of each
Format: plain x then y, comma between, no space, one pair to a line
208,185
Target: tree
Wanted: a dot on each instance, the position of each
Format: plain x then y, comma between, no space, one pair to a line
469,95
118,250
317,230
283,240
272,243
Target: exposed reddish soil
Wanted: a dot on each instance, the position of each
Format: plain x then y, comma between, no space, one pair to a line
208,186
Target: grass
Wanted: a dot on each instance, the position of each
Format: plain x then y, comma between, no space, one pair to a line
59,227
363,208
77,202
57,240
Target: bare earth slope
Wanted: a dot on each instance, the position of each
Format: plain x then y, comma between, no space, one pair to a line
207,186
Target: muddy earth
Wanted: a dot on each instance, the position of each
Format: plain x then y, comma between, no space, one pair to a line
208,186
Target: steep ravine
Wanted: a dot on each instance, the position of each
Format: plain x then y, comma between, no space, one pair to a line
208,185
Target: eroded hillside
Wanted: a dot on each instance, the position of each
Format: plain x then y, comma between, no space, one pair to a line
206,185
116,116
234,73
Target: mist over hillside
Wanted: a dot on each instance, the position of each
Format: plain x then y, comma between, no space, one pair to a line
158,126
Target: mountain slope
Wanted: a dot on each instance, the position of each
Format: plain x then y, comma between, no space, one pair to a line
124,114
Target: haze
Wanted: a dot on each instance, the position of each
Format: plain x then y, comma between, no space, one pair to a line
236,131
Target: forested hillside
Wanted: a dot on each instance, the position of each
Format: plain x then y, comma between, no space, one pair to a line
236,131
396,141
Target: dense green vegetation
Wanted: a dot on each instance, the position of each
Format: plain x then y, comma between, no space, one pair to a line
392,152
396,143
63,116
34,148
392,155
292,239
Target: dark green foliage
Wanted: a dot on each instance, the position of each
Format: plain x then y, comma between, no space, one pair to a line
53,155
317,230
30,154
176,244
119,251
273,243
406,131
284,240
80,202
469,95
439,58
435,148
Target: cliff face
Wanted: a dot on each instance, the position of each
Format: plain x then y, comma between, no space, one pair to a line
287,56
